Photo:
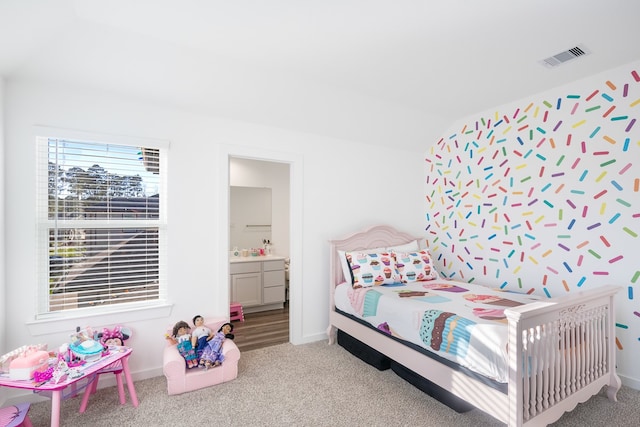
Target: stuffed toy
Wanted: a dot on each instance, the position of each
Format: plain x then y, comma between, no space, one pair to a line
212,354
114,337
181,336
200,335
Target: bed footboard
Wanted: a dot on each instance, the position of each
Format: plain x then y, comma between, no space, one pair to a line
561,352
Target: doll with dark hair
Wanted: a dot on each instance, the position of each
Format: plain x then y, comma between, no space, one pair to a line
212,353
115,336
200,334
182,337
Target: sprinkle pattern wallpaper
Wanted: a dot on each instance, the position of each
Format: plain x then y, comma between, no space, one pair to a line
543,196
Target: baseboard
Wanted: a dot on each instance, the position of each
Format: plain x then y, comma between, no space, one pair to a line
309,338
630,382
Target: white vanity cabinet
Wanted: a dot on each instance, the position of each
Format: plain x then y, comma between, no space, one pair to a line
246,283
258,283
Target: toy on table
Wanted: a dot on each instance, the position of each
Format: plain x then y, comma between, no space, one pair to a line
62,370
114,337
28,363
41,377
69,357
182,338
212,353
7,358
83,346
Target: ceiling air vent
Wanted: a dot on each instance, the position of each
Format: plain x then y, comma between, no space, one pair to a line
567,55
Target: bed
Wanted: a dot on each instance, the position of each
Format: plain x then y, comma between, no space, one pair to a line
545,355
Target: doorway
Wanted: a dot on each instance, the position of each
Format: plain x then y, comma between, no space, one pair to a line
259,224
293,237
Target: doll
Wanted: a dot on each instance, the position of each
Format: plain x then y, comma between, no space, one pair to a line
212,353
200,334
182,338
115,336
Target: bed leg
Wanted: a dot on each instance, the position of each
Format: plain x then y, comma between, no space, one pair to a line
613,387
331,333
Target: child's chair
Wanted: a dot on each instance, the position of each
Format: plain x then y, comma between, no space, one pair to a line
180,379
16,415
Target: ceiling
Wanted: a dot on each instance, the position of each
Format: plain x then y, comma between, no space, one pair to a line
369,70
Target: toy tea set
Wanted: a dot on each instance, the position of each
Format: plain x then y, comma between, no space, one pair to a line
34,362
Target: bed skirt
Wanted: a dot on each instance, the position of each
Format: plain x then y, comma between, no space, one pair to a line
363,351
433,390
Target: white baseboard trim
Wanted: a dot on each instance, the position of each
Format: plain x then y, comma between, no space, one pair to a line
630,382
310,338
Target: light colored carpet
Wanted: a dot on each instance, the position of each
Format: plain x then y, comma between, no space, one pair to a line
307,385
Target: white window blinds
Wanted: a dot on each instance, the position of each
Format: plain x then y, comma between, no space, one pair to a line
101,223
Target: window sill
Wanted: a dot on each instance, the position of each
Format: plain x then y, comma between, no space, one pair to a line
68,321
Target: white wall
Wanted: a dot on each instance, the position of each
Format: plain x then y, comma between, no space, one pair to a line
345,186
541,195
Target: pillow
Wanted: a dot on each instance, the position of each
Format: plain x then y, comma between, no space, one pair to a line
372,269
415,266
407,247
346,268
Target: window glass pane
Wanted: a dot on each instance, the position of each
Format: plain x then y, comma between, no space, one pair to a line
93,267
97,194
102,181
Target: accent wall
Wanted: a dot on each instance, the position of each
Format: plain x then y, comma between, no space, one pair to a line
543,196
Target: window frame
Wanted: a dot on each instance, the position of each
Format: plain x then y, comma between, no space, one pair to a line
44,224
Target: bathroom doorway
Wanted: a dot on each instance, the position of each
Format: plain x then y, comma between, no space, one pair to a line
259,219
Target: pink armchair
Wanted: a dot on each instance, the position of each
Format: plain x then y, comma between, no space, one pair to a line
180,379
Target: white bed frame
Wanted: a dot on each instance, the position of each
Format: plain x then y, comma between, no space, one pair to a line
569,343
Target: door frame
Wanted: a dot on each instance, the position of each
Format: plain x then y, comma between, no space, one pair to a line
295,224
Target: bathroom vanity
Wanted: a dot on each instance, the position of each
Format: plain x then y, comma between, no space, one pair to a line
257,282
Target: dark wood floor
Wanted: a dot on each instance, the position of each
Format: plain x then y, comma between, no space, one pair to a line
262,329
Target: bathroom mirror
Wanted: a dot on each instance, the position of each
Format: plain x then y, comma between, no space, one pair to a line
249,216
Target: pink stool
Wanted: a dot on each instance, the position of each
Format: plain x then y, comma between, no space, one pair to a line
14,416
235,312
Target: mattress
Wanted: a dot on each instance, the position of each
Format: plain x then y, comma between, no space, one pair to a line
461,322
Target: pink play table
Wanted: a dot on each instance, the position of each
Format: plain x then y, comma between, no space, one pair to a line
116,362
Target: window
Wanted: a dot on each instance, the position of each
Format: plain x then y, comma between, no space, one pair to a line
101,225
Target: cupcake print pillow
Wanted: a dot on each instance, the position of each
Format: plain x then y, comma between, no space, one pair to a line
372,269
415,266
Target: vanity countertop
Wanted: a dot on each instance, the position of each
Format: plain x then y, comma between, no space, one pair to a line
259,258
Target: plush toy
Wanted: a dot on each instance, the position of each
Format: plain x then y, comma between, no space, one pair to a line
114,337
212,353
182,338
200,334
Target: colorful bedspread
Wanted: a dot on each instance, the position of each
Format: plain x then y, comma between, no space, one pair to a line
462,322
